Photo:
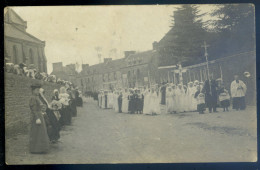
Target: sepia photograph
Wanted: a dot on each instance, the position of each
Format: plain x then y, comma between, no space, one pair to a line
109,84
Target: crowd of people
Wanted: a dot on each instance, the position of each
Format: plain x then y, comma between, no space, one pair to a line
48,117
31,72
194,97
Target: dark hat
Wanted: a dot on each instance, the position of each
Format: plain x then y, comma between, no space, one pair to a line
36,85
22,64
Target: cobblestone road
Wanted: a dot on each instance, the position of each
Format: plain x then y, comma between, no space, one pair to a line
103,136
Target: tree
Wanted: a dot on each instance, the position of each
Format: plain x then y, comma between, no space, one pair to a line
183,42
234,29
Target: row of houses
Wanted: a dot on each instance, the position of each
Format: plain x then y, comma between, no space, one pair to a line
138,69
135,69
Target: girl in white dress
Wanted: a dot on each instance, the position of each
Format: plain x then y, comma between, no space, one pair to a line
169,100
180,98
116,95
103,98
174,105
189,97
147,101
193,99
153,98
110,100
125,102
157,105
114,99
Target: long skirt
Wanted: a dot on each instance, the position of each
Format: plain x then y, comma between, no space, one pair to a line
65,116
139,105
239,103
120,101
103,102
79,102
225,103
157,105
147,107
54,134
116,104
201,107
125,105
169,104
131,106
39,140
193,104
73,108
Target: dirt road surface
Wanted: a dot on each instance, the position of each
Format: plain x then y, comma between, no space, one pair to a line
103,136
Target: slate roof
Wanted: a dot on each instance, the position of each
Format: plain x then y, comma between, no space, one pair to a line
12,31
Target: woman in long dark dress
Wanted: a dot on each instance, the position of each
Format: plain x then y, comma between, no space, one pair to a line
54,131
39,140
73,103
65,111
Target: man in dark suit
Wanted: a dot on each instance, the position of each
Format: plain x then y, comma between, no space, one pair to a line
211,96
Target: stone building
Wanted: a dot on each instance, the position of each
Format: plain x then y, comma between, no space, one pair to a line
136,69
141,69
67,73
19,45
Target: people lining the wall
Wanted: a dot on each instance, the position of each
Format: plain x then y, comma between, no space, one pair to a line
48,117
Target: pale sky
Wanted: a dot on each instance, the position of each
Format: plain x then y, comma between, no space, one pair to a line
72,32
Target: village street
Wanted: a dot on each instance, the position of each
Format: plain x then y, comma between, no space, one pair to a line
103,136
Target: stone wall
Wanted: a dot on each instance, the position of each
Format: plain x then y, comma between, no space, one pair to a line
17,95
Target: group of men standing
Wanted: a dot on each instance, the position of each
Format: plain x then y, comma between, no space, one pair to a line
213,92
196,96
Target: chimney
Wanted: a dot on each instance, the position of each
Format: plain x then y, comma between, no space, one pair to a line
106,60
128,53
57,67
155,45
84,66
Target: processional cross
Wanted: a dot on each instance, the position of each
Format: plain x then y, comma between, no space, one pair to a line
205,46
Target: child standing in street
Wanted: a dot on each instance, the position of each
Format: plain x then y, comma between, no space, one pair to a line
200,97
224,98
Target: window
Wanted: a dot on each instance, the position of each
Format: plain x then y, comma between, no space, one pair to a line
44,66
138,73
31,56
15,54
114,76
39,64
128,74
